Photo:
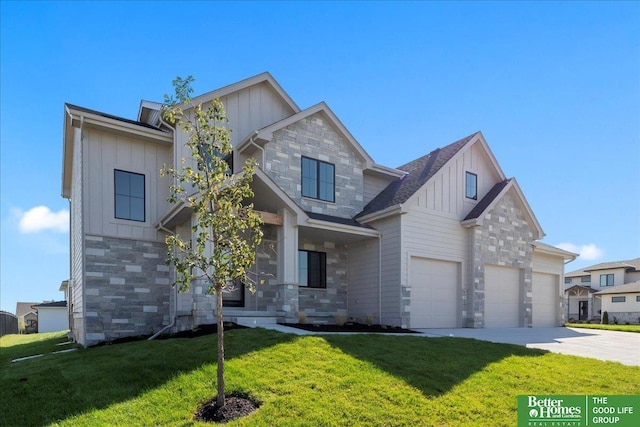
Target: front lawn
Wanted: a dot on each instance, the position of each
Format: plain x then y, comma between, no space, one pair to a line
623,328
300,380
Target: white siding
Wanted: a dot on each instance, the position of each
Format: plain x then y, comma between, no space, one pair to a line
445,191
373,185
106,152
52,319
77,242
364,267
618,278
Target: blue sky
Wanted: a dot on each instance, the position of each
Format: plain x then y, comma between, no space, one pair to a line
554,87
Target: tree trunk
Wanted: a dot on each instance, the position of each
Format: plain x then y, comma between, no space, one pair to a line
220,398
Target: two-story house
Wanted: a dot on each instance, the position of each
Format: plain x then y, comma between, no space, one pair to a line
613,287
446,240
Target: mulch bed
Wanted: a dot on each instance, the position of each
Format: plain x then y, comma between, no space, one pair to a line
236,405
351,327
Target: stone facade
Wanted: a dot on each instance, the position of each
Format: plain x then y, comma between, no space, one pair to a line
504,239
624,317
322,305
126,288
314,138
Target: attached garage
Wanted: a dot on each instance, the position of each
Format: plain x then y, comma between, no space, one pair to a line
434,293
545,301
501,297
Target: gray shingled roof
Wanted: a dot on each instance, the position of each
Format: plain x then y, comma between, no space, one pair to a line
111,116
51,304
486,200
632,264
336,220
419,172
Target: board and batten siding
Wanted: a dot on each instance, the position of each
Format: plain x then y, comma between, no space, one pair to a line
248,110
445,191
391,290
106,152
77,242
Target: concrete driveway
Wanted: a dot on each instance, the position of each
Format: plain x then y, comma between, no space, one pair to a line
623,347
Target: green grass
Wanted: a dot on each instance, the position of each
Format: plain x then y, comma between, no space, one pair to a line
332,380
622,328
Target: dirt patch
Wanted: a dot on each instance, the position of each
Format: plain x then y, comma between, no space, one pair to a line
236,405
352,327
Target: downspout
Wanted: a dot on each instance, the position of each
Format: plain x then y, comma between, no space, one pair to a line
380,278
252,142
166,230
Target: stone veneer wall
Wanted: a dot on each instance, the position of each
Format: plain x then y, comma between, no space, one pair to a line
504,239
126,288
322,305
623,317
313,137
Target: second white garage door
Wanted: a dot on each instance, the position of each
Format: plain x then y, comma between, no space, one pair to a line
434,293
545,300
501,297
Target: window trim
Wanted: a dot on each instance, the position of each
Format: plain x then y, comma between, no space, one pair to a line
468,174
322,279
618,299
317,179
606,279
144,196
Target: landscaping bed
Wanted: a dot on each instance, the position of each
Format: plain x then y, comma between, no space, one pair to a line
351,327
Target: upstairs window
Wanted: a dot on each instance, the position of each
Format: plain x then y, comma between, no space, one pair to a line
567,280
586,279
129,195
471,186
606,280
312,269
318,179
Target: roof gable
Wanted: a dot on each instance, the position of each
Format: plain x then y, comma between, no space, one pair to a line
265,134
418,171
148,111
477,214
629,265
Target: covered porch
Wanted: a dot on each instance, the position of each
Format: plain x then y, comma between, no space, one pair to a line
580,304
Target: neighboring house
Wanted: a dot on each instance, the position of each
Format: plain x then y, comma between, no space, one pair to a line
446,240
8,323
27,317
610,286
52,316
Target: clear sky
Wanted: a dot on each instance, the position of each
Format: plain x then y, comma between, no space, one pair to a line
554,87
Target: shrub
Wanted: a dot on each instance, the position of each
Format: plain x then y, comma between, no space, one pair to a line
605,318
341,319
302,318
368,319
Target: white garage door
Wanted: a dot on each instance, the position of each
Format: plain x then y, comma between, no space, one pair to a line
545,300
434,293
501,297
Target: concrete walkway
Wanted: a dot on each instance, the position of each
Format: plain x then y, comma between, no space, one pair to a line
623,347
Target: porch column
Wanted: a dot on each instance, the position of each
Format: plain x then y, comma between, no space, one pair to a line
287,299
288,248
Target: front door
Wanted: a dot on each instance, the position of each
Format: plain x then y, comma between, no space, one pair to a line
234,295
583,310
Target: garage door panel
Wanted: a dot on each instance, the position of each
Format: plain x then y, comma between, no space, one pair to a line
434,293
545,300
501,297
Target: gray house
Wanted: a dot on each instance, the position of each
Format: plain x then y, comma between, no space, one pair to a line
447,240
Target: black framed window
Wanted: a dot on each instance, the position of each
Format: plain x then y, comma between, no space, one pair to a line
129,195
586,279
471,186
638,298
618,299
567,280
318,179
606,280
312,269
